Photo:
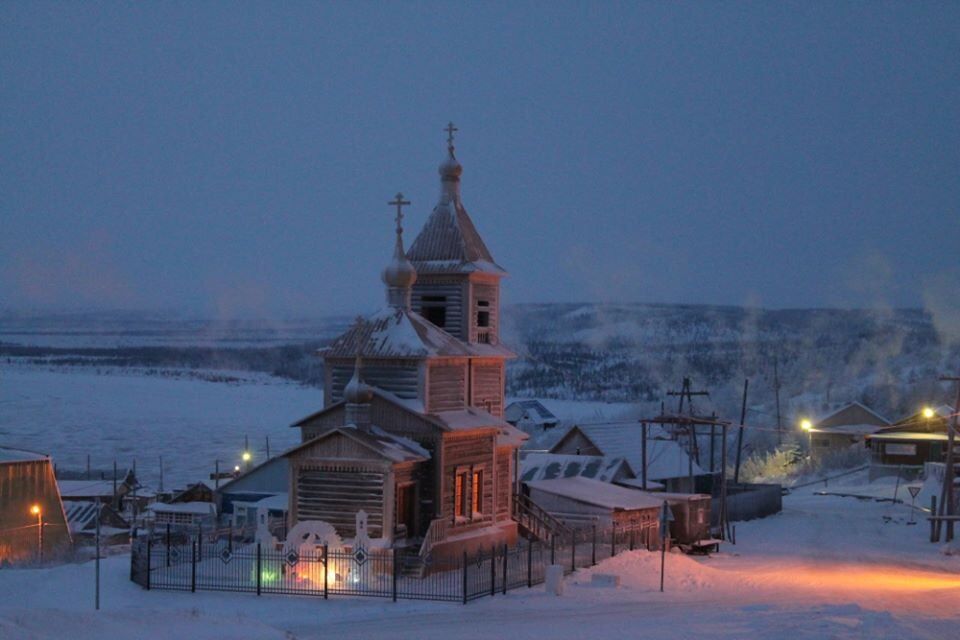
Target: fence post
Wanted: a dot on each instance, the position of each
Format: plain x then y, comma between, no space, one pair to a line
573,550
193,568
933,523
632,531
553,547
506,557
168,544
613,539
200,541
593,547
326,572
149,549
395,571
464,577
529,564
259,569
493,570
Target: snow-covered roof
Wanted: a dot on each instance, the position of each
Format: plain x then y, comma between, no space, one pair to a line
394,332
908,435
665,458
849,429
391,447
194,508
529,411
9,454
449,243
87,488
601,494
637,483
852,413
547,466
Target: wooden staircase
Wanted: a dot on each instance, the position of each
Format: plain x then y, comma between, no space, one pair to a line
535,522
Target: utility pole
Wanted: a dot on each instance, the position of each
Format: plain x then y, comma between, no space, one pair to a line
743,418
268,447
688,393
946,492
161,474
97,569
776,390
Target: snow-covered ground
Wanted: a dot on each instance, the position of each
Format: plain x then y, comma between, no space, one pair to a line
827,567
125,415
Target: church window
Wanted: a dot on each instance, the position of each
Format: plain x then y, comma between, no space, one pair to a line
477,498
483,313
434,309
460,496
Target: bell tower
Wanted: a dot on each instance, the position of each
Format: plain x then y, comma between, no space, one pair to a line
458,282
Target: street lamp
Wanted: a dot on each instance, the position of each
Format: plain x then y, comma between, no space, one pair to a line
807,426
246,459
928,412
35,510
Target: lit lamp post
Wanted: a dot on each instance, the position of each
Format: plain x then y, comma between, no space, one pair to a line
246,460
35,510
928,413
807,426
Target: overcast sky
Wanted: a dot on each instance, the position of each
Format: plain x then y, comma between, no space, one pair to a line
236,158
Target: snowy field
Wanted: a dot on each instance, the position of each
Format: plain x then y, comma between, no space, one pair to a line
123,416
827,567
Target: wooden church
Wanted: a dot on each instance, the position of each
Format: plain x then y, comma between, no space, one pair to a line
412,428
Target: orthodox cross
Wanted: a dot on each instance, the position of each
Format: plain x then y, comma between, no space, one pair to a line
399,203
450,129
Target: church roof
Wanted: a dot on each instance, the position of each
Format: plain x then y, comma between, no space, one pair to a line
449,242
394,332
386,445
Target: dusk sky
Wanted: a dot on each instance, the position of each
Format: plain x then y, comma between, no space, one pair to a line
236,159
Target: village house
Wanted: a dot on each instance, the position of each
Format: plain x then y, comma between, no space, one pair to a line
667,463
412,430
530,415
843,428
910,443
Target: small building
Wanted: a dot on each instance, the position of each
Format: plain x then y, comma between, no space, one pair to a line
82,517
269,478
183,514
667,463
202,491
909,443
844,428
271,510
548,466
32,520
530,416
583,502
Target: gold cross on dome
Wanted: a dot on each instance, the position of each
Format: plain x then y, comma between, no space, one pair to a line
450,129
399,203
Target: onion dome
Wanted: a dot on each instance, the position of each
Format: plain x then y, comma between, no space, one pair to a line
400,274
357,391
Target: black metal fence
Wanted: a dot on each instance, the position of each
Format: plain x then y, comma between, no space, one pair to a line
192,564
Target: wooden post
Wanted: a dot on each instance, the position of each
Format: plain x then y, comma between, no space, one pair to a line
613,539
553,547
713,447
723,484
193,568
743,417
573,551
643,453
259,569
946,493
168,544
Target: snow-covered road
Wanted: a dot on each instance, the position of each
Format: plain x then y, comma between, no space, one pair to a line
827,567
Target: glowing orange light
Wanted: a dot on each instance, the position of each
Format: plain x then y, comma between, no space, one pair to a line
35,509
928,413
806,425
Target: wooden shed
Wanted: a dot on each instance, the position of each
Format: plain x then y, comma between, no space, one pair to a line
843,428
584,502
28,534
